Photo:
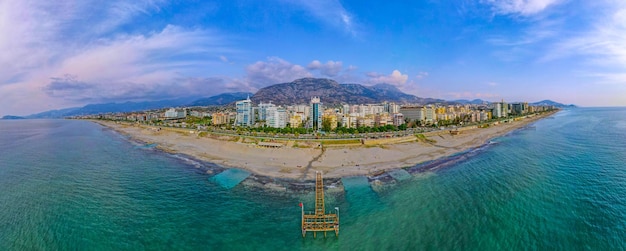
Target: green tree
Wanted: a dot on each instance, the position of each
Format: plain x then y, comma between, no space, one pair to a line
326,125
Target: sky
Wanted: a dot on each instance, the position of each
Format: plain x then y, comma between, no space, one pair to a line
60,54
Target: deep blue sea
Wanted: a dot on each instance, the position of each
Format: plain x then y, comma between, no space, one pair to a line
559,184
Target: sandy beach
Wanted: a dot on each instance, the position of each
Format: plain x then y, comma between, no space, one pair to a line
301,162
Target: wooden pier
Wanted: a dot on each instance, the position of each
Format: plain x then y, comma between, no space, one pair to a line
319,221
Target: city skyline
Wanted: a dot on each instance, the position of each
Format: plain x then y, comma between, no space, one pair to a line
315,115
60,54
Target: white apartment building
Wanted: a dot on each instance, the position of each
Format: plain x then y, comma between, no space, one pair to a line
276,117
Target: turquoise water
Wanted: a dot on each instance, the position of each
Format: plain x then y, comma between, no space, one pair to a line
231,177
73,185
400,174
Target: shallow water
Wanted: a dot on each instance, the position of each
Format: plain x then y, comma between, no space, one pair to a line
230,178
75,185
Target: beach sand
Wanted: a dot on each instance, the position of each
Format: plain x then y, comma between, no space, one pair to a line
301,163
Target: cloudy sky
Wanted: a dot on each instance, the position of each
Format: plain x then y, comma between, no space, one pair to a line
59,54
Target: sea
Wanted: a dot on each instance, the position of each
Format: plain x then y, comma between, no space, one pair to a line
557,184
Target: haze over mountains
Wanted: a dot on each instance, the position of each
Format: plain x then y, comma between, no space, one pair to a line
298,91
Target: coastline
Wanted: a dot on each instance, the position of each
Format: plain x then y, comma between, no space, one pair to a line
293,163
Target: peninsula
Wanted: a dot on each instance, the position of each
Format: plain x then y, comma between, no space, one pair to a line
290,130
300,159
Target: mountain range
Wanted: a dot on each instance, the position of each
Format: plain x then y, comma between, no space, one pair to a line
298,91
552,103
329,91
539,103
111,107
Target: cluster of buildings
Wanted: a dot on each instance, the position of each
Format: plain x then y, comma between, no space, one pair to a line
271,115
169,114
431,114
316,116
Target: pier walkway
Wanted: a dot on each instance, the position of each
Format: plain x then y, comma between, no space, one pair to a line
319,221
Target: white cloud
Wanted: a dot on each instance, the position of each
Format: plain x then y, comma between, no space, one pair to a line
111,14
421,75
72,88
59,56
524,43
520,7
598,44
395,78
37,33
330,11
329,69
314,65
604,45
274,71
132,63
537,32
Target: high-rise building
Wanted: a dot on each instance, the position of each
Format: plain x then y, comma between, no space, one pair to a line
519,108
500,109
304,109
345,109
363,110
219,118
349,120
382,119
398,119
263,110
497,110
413,113
276,117
487,115
430,114
174,113
316,113
376,109
366,121
245,113
296,119
394,108
171,113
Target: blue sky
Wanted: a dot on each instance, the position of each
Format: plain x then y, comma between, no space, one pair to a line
58,54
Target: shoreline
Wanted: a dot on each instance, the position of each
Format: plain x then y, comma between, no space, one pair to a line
293,164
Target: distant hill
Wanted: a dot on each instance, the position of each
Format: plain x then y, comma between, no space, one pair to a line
12,117
540,103
90,109
392,93
222,99
551,103
53,113
112,107
300,91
